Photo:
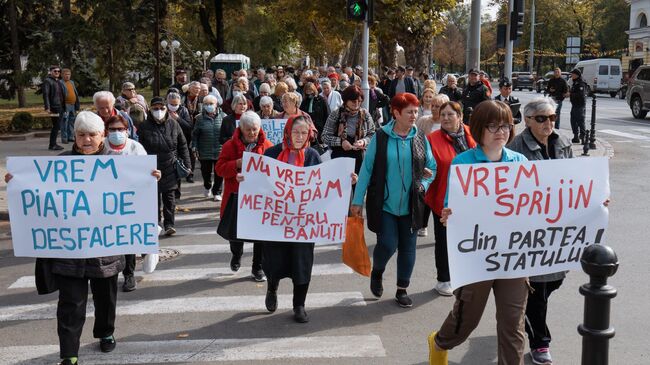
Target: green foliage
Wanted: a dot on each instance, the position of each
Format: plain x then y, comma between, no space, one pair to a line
22,122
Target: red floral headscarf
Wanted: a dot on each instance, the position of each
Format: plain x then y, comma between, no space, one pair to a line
286,142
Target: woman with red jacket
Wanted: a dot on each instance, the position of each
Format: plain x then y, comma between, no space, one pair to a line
247,137
452,138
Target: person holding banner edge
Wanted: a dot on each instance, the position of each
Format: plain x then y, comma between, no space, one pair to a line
492,125
539,141
73,275
453,138
396,171
251,138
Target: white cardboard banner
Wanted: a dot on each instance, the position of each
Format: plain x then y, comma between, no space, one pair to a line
83,206
273,128
281,202
512,220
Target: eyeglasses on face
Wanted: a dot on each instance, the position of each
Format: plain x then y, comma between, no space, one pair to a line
121,129
505,128
544,118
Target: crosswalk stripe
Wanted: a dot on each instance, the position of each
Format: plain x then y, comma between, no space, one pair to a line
225,248
209,350
624,134
187,217
188,305
205,273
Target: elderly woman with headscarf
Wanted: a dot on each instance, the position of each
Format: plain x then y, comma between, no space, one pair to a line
266,108
162,136
72,276
247,137
283,259
206,146
349,129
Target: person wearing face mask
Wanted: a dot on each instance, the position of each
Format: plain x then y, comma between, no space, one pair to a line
206,145
316,106
350,128
117,142
162,136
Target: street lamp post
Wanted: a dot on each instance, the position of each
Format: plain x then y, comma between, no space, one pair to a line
174,45
204,55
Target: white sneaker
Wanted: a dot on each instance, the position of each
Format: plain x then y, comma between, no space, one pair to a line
217,198
207,193
444,288
160,229
423,232
150,262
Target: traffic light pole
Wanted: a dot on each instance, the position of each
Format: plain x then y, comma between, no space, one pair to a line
364,79
507,69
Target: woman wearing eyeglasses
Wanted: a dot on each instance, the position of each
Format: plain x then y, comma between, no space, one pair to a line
539,141
492,127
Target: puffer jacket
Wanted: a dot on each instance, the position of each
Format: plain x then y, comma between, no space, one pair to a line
206,135
166,141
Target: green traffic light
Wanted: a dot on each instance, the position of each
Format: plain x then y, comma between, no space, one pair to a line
356,10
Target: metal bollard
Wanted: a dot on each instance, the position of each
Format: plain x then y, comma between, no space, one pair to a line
585,143
592,135
599,262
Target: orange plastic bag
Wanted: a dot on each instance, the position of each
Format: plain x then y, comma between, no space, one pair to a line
355,251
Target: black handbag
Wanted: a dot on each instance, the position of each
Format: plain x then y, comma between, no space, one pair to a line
182,171
228,222
45,282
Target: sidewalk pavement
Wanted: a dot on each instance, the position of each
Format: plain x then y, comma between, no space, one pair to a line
192,199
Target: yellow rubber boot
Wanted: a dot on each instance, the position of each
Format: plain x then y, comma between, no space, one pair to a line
436,357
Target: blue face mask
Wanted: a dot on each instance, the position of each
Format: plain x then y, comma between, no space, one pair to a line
117,138
210,108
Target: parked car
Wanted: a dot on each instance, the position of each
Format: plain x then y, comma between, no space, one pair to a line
638,92
522,80
602,75
540,85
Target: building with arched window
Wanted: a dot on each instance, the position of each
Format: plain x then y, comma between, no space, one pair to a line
639,36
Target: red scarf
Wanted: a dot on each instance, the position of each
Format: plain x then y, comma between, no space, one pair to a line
287,148
241,146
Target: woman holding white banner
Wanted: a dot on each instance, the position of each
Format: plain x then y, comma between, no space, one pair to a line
396,171
453,138
117,142
73,275
492,125
283,259
539,141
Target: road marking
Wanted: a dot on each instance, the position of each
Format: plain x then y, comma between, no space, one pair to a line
225,248
205,273
187,217
209,350
188,305
624,134
642,130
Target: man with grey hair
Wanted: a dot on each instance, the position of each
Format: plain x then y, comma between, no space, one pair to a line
132,103
266,108
212,90
540,141
451,89
104,103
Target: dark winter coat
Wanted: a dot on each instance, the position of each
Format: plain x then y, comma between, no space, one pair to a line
557,87
578,93
97,267
53,95
166,141
453,94
409,86
312,157
319,112
205,136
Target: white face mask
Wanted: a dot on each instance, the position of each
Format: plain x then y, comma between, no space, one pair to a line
158,114
172,108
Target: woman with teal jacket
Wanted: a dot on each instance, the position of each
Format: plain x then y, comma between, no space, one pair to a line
396,171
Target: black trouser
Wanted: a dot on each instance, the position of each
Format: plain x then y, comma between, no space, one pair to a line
427,213
192,164
440,250
237,249
56,125
129,268
71,310
538,333
299,292
167,200
357,155
578,120
207,169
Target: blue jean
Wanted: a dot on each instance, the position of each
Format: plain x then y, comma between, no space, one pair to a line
396,234
558,110
67,123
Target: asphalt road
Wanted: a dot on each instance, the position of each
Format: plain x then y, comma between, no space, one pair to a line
203,307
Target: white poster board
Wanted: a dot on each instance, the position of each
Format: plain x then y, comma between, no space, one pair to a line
83,206
281,202
273,128
512,220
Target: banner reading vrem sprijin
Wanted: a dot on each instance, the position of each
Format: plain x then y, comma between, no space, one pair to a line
83,206
512,220
281,202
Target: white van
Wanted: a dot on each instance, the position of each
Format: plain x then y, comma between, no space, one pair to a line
602,75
